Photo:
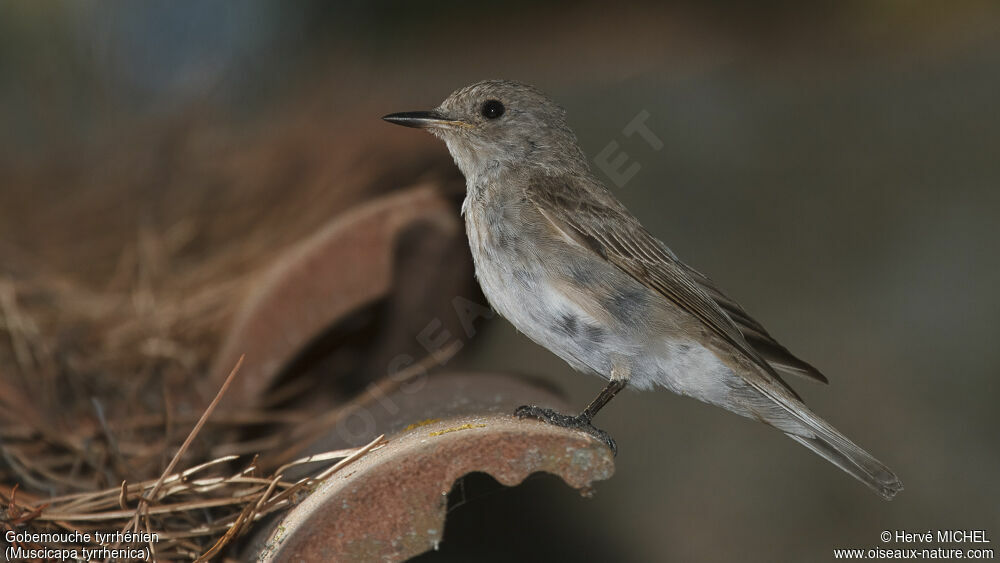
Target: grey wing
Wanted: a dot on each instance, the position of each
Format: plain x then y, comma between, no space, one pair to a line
595,219
783,361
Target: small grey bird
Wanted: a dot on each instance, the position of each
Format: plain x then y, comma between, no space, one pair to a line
563,260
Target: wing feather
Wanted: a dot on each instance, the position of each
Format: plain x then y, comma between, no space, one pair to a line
593,218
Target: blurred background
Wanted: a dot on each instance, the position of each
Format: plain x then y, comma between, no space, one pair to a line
834,167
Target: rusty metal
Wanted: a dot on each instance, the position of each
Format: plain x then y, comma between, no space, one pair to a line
437,396
344,266
391,504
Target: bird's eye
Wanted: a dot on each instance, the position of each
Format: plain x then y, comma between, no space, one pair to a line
492,109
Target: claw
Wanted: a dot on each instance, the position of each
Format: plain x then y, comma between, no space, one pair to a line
566,421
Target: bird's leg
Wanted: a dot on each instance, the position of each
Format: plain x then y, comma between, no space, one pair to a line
608,393
583,420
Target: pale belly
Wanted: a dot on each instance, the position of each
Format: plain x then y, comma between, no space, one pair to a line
598,319
551,318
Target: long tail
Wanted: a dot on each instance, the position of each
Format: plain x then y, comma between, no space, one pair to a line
858,463
790,415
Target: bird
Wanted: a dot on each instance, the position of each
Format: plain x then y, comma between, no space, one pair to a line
562,259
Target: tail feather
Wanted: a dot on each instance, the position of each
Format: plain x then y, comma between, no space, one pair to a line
855,461
791,416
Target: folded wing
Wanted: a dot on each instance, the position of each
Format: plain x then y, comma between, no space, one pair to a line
595,220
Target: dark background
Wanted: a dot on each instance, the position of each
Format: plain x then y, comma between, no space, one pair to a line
834,168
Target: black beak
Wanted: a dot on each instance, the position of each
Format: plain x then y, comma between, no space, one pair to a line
419,119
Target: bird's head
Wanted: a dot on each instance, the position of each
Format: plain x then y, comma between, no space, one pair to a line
498,123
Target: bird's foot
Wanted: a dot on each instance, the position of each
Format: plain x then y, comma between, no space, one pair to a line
578,422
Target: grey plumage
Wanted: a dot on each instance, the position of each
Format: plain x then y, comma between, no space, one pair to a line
566,263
